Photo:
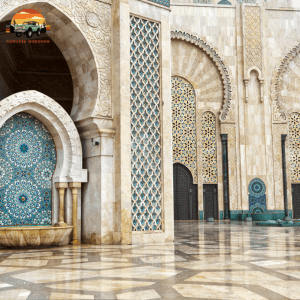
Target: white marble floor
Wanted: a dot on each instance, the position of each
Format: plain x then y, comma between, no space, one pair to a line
207,261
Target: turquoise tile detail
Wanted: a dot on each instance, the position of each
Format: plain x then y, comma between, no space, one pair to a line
27,163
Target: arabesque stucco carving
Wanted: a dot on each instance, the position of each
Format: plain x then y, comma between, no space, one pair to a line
226,112
279,110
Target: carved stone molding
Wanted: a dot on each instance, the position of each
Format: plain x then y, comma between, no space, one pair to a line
279,110
93,20
226,113
58,118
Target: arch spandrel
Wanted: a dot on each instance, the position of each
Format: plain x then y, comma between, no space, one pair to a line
59,124
285,85
227,110
89,26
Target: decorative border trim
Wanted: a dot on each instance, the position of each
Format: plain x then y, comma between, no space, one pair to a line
279,111
219,61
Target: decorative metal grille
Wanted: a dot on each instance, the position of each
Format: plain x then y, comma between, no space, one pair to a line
294,134
209,148
184,120
145,125
27,163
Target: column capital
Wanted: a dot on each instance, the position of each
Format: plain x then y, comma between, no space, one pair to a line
283,137
61,185
74,185
224,137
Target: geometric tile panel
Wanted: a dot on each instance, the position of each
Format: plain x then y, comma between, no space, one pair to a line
257,196
27,163
162,2
184,125
294,135
224,2
209,148
146,207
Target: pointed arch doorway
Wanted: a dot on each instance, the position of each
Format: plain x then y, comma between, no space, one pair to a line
185,194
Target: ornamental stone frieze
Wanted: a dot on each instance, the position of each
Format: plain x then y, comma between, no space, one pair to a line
252,45
93,20
226,113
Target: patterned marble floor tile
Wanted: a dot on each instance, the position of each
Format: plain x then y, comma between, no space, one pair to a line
31,254
18,294
158,259
210,261
62,296
276,264
51,275
4,285
140,295
96,265
24,262
74,260
146,272
202,265
286,289
100,285
241,277
4,270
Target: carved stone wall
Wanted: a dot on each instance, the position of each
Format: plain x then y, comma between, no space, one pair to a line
92,18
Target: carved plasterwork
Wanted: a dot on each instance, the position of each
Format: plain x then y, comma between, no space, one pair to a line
252,35
65,128
279,109
226,114
93,20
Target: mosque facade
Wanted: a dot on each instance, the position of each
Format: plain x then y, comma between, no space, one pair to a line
119,118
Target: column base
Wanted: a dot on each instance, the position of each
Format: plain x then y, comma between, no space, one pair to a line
61,224
75,242
210,220
248,219
287,219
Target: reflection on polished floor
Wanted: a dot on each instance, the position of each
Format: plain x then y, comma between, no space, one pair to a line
207,261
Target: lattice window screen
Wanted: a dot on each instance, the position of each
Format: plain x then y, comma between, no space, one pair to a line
209,148
184,125
145,125
294,134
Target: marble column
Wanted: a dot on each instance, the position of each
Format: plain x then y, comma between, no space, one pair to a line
61,186
74,186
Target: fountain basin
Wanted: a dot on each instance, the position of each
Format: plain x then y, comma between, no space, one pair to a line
32,236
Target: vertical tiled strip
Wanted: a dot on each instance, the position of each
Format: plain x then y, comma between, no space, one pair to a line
184,125
209,148
146,207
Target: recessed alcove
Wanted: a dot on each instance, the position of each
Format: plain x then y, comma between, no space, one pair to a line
34,64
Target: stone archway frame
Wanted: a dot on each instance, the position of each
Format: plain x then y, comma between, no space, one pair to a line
226,113
60,125
92,19
279,111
